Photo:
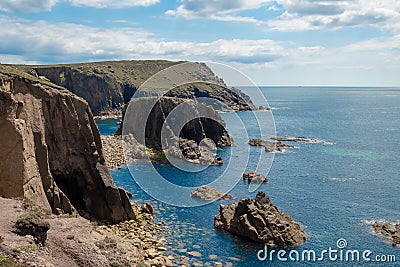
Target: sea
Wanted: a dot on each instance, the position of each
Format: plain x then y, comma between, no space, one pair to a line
334,187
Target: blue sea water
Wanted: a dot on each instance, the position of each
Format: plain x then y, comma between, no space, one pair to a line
332,188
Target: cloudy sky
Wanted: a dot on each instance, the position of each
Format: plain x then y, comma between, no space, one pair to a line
282,42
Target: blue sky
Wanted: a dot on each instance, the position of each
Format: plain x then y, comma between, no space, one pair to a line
282,42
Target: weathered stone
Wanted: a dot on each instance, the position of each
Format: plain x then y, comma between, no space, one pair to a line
206,192
260,221
52,154
254,177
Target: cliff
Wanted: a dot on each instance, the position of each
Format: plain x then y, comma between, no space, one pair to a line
107,86
51,151
186,124
210,125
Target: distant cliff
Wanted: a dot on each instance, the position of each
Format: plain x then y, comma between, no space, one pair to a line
107,86
51,151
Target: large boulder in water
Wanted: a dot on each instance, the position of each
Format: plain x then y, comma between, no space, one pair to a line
260,221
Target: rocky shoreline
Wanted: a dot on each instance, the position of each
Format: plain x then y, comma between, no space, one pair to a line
75,241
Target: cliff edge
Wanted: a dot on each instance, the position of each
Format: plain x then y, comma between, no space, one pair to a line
107,86
51,152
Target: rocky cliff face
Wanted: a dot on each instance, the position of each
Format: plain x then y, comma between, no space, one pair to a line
206,124
107,86
51,152
260,221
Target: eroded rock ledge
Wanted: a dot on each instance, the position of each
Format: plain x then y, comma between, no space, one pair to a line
260,221
51,152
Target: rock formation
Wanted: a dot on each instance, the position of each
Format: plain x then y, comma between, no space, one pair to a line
254,177
390,231
107,86
206,192
51,151
186,142
270,146
260,221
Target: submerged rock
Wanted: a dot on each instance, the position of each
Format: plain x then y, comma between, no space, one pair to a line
254,177
260,221
206,192
270,146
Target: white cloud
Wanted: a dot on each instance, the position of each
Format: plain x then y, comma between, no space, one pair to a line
32,6
303,15
26,41
65,42
222,10
298,15
113,3
26,6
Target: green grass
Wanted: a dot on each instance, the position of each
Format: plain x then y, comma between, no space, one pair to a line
114,263
28,217
70,237
11,70
28,249
156,155
1,239
6,261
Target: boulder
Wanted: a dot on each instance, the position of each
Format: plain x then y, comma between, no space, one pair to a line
206,192
390,231
254,177
51,152
260,221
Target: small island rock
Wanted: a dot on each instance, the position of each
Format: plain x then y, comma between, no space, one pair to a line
206,192
260,221
254,177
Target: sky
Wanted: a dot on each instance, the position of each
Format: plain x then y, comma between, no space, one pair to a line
274,43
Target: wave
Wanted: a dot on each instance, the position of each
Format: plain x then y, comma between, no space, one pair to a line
303,140
336,179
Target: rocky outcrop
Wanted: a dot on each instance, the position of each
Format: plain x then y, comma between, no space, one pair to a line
254,177
390,231
206,192
107,86
51,152
187,142
260,221
270,146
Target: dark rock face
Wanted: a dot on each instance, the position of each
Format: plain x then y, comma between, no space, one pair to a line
206,192
187,137
260,221
227,99
254,177
390,231
52,154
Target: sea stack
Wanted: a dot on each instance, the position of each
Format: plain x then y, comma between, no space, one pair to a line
260,221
